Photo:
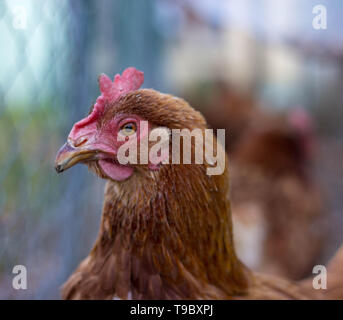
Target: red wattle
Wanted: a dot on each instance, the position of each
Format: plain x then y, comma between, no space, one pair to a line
115,171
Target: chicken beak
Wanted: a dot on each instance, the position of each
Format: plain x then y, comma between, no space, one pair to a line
68,156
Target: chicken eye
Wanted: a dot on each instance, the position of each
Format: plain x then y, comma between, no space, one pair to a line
128,129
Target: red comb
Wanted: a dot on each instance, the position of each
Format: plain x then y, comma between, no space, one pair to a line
300,119
130,80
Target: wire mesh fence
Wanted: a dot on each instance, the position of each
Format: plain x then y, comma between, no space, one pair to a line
42,89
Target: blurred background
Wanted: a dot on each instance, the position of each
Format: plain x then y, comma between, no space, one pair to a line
263,52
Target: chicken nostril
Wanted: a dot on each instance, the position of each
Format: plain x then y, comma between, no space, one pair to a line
80,142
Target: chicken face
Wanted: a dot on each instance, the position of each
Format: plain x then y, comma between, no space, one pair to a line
95,140
124,114
98,146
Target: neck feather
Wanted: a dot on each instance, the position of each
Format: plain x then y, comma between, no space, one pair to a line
166,235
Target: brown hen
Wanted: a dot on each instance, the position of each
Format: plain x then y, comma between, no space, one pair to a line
278,214
166,230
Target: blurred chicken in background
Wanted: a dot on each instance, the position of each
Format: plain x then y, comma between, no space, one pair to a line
279,222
